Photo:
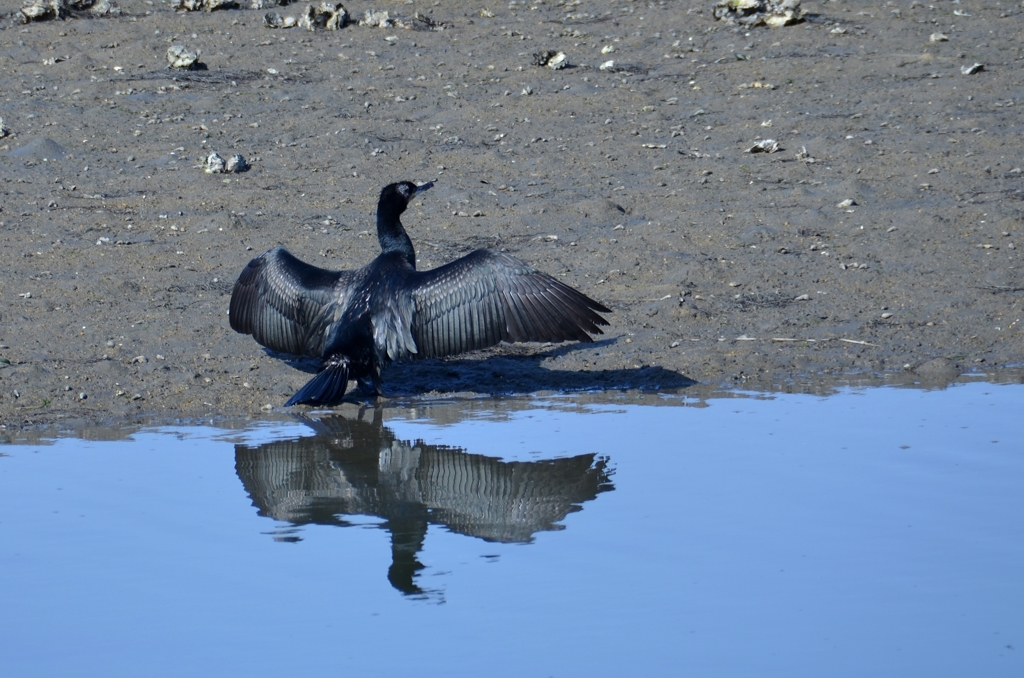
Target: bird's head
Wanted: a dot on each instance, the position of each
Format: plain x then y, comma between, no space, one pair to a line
396,197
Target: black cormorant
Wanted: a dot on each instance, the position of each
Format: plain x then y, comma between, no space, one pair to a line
358,321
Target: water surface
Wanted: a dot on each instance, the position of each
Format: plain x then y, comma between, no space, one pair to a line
874,532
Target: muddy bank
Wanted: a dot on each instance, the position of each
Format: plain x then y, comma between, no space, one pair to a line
894,255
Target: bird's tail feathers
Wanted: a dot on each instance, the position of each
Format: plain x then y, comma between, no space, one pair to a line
327,387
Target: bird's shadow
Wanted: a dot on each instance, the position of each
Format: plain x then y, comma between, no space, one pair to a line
510,370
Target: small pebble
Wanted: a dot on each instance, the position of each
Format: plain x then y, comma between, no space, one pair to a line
82,396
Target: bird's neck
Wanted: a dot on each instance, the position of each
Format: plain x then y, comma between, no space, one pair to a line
392,236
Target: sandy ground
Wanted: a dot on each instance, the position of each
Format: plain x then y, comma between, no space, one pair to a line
633,184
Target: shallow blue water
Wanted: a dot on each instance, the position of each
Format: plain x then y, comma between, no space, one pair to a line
874,532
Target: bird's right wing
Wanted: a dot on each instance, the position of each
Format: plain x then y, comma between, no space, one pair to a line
286,304
488,297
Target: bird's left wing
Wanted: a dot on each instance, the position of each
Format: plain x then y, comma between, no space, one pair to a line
488,297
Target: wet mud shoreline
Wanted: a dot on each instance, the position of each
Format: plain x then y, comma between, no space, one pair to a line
880,244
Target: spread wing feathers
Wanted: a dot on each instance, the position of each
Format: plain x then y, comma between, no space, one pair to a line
488,297
286,304
392,325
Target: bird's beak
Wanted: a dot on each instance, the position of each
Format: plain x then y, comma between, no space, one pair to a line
423,187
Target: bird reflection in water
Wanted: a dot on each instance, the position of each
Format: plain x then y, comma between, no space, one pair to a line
358,467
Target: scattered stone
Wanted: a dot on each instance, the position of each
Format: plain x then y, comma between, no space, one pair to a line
750,13
236,164
553,60
180,57
103,8
268,4
764,146
377,19
803,156
205,5
971,70
214,164
329,16
275,20
420,22
849,202
558,62
938,37
3,129
43,10
382,19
